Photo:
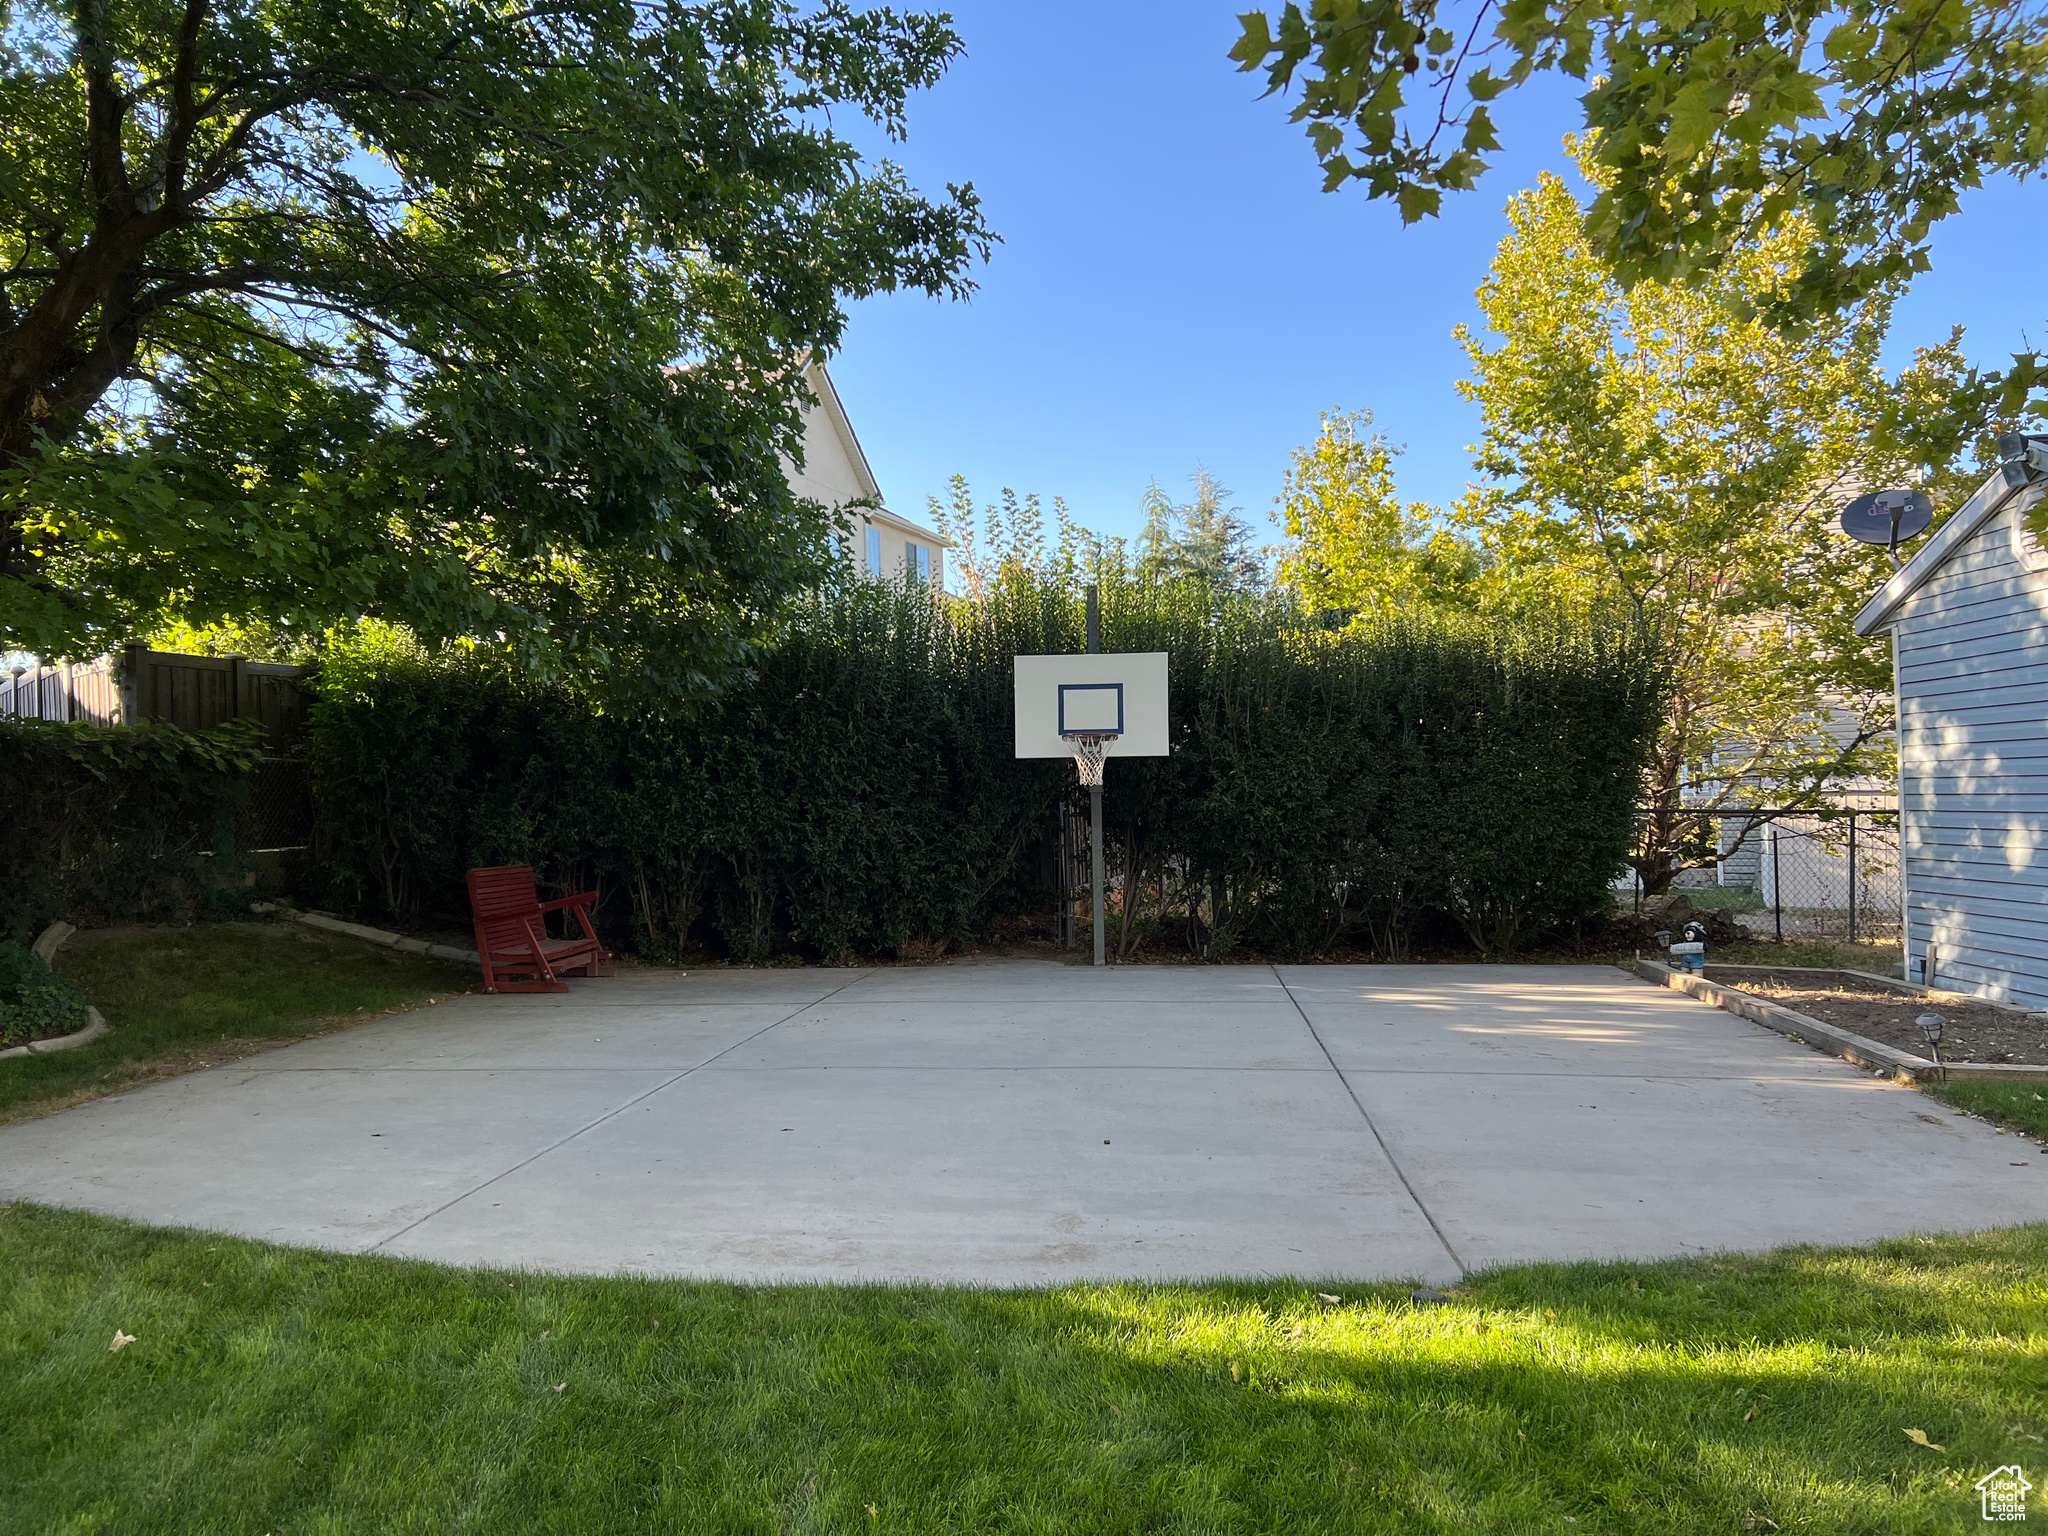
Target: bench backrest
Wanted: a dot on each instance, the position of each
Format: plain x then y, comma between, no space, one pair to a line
500,897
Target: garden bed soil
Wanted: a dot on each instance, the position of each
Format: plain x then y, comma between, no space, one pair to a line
1976,1033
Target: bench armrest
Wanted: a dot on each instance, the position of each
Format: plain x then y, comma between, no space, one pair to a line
579,904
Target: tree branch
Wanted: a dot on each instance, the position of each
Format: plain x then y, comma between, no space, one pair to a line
184,113
105,109
360,316
311,356
73,387
219,168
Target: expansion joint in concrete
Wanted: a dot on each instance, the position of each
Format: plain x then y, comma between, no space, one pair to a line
1385,1151
610,1114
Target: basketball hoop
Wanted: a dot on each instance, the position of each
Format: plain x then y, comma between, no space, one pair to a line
1076,706
1089,747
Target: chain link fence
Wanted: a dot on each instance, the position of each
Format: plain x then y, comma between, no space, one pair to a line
279,814
1826,873
1819,873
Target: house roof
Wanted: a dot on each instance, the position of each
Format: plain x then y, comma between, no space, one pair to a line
895,520
833,410
1990,498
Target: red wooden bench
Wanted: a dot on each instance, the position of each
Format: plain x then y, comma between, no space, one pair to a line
512,936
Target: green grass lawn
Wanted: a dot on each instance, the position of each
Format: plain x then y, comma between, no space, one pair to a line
1826,954
2023,1106
1731,898
271,1389
181,998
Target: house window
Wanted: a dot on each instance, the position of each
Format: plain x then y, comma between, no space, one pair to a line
874,551
917,562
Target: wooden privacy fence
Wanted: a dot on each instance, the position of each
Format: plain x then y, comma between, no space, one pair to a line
193,693
81,690
196,693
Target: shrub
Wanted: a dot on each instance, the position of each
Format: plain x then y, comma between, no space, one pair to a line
858,793
35,1002
123,824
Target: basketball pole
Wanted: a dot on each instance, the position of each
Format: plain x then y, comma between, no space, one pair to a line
1095,843
1095,790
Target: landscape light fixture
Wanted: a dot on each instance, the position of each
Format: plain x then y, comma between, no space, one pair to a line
1930,1031
2022,459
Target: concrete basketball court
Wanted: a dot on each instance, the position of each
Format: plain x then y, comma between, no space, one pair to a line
1026,1122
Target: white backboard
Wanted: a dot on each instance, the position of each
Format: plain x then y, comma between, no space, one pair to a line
1092,693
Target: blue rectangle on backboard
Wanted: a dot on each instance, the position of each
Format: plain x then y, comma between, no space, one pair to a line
1093,709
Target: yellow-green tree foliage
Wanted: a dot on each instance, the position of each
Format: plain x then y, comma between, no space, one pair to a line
1353,546
1661,449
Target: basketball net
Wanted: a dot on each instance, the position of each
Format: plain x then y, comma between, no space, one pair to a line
1088,753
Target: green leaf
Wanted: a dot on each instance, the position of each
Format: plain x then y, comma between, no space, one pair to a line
1255,40
1418,202
1693,122
448,397
1479,134
1484,86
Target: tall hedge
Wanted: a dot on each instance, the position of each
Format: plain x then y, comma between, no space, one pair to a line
119,825
857,793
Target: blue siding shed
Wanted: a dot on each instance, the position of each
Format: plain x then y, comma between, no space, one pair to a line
1968,617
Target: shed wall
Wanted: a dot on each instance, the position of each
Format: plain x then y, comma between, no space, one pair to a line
1973,768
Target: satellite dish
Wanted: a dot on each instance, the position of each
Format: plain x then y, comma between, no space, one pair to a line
1887,517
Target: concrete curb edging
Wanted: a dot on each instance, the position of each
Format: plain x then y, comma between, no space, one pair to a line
383,938
45,948
95,1026
1809,1031
50,940
1876,1057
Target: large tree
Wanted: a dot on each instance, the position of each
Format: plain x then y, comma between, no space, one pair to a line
481,318
1645,450
1868,117
1864,119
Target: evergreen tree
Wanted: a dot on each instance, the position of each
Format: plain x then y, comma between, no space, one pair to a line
1202,539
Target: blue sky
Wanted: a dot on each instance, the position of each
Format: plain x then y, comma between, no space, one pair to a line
1175,288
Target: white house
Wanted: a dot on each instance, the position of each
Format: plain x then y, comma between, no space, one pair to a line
1968,617
836,473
